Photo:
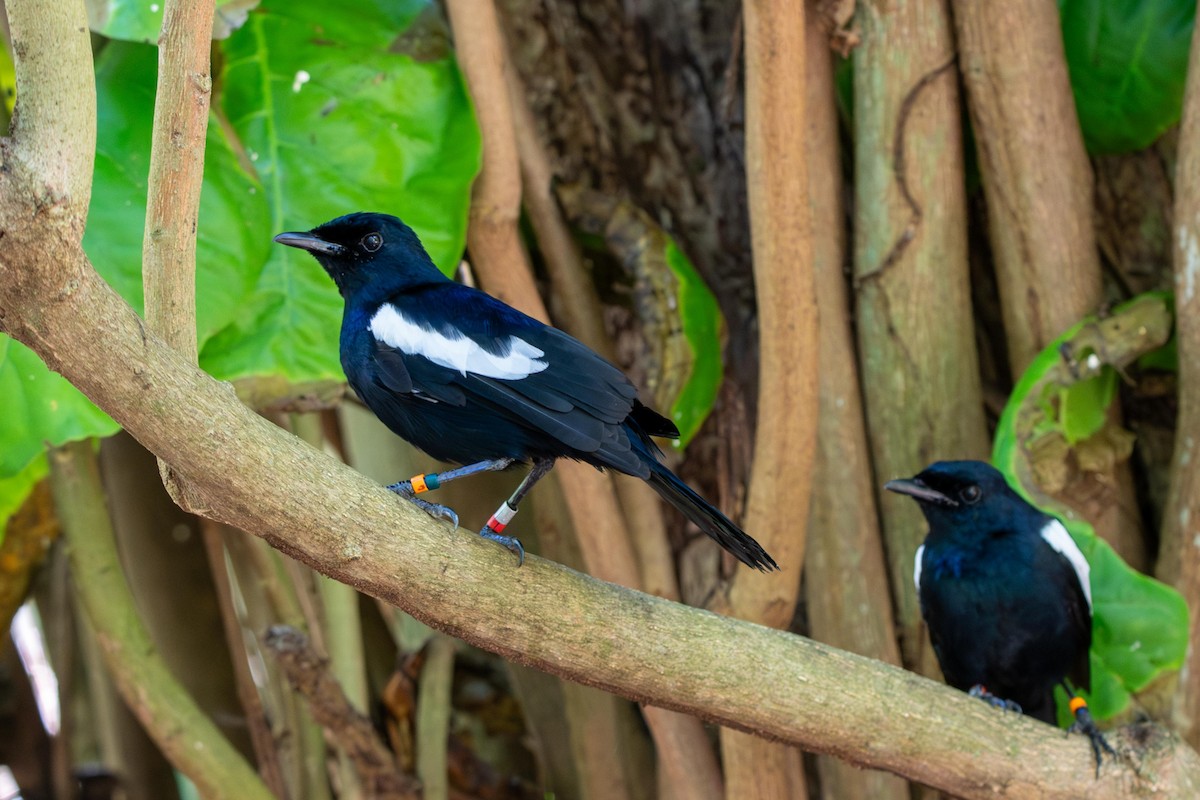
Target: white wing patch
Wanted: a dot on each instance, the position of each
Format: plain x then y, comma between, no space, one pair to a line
455,352
917,567
1057,537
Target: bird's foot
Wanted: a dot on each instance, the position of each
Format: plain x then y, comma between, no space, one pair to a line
435,510
983,694
497,523
1087,726
510,543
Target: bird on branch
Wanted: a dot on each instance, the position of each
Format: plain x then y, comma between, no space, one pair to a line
472,381
1005,593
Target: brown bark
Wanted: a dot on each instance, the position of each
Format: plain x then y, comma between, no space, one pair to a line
1179,561
352,732
916,338
249,473
1038,184
176,169
1036,174
241,469
257,723
845,575
784,448
504,270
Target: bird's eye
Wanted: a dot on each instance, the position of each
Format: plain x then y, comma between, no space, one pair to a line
371,242
971,494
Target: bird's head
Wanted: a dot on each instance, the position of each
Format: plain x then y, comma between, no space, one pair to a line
963,494
366,249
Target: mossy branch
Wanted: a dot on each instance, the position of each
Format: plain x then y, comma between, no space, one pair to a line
240,469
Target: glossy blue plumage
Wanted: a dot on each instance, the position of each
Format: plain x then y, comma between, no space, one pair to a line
466,378
1005,610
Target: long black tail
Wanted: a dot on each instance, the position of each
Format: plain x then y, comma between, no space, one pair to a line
708,518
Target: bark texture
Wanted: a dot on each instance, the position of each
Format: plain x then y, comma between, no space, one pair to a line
915,334
785,444
845,575
1038,185
1180,558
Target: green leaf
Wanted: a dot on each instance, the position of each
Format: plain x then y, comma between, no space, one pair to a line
8,81
1083,407
141,20
701,319
232,244
15,489
334,122
1128,62
40,407
1140,626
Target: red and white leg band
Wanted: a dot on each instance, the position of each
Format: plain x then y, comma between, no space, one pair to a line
499,521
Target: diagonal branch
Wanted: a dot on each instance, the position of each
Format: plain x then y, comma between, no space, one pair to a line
240,469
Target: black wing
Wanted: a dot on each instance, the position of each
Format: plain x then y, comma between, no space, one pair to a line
570,393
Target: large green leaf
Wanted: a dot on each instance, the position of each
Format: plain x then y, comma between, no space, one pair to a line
334,122
40,407
1128,62
701,320
232,241
1140,626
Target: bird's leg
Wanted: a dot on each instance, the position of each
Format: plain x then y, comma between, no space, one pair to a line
417,484
1086,725
508,509
980,691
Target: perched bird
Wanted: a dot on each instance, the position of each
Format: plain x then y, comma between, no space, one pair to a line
473,381
1004,591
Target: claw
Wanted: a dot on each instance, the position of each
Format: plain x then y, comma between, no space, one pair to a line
997,702
1087,726
435,510
510,543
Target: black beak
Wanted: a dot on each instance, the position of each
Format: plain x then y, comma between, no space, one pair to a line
313,244
914,488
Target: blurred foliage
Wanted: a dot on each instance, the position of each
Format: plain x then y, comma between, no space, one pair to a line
1140,626
1128,62
40,408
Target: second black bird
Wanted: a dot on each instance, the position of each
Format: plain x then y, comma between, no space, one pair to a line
1005,592
473,381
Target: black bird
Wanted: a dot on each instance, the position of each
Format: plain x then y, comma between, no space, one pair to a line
473,381
1004,591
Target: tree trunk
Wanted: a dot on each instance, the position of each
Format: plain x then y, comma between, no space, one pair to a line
1180,559
845,575
1038,184
915,331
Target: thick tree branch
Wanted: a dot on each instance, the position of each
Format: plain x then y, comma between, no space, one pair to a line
241,469
845,574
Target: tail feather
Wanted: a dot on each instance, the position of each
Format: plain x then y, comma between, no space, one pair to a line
708,518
